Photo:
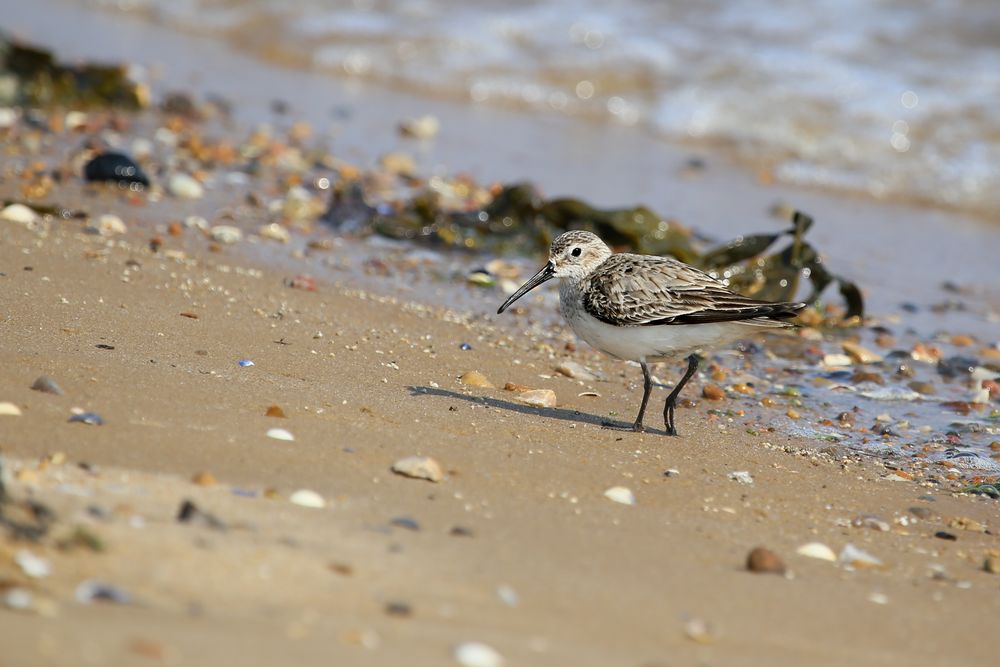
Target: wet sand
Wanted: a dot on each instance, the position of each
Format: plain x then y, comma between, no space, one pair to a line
581,579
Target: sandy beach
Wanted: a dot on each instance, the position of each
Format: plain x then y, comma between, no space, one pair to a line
237,503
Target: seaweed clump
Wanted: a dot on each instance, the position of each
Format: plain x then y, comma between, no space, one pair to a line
31,76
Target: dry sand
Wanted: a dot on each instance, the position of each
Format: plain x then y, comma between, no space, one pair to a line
517,547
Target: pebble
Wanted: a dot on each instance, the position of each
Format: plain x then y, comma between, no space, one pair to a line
226,234
836,360
91,418
92,590
406,522
110,225
114,167
741,476
34,566
307,498
855,557
280,434
543,398
19,213
8,409
763,560
571,369
424,127
817,550
419,467
992,564
475,379
204,478
860,354
8,117
870,521
275,232
19,599
698,630
191,513
713,392
47,385
508,595
185,186
275,411
476,654
921,512
620,494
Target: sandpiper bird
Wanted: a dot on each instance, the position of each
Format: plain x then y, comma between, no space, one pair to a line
646,309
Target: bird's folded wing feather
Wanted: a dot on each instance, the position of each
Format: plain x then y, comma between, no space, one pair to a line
642,290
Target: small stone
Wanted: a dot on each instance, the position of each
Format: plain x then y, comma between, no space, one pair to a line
226,234
34,566
519,388
307,498
475,379
992,564
879,598
945,535
870,521
19,599
508,595
922,388
836,360
110,225
858,558
419,467
713,392
19,213
962,340
92,590
185,186
698,630
398,609
860,354
741,476
47,385
620,494
817,550
965,523
8,409
275,232
743,388
399,163
571,369
191,513
409,523
424,127
204,478
763,560
280,434
542,398
275,411
921,512
476,654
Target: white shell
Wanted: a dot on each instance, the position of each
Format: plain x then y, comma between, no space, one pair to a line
620,494
477,654
817,550
307,498
741,476
855,557
419,467
280,434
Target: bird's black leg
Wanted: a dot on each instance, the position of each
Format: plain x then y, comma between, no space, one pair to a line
668,407
647,386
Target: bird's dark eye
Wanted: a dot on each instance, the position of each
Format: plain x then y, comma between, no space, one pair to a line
576,252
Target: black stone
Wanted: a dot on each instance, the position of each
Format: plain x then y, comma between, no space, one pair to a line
115,167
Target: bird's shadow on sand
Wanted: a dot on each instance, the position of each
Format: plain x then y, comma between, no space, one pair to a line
563,414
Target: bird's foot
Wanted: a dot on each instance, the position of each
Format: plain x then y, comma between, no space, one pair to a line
637,427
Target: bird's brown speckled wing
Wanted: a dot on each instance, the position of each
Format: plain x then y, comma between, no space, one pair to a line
644,290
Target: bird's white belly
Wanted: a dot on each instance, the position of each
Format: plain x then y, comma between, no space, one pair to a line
652,343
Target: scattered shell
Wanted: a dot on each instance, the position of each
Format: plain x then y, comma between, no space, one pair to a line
620,494
8,409
185,186
419,467
855,557
275,232
508,595
763,560
280,434
817,550
860,354
481,278
226,234
878,598
543,398
698,630
91,418
307,498
109,225
571,369
741,476
476,654
34,566
19,213
424,127
92,590
475,379
870,521
47,385
246,362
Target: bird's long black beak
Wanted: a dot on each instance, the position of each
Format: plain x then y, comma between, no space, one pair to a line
545,273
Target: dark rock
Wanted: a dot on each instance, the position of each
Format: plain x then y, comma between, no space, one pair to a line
114,167
405,522
945,535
